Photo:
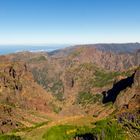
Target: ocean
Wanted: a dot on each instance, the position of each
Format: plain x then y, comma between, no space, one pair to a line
7,49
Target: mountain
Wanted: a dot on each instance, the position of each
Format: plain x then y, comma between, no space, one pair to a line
112,47
117,48
77,86
108,56
18,95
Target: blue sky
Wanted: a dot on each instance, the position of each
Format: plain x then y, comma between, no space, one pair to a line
69,21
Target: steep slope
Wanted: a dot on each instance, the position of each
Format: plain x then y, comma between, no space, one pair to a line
105,59
84,70
19,96
17,83
129,99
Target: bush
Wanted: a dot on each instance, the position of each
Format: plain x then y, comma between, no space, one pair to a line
108,130
9,137
38,59
104,78
84,98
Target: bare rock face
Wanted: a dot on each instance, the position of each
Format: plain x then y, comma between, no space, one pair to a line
117,93
124,98
7,123
18,91
130,97
137,78
69,79
135,102
11,75
138,57
17,87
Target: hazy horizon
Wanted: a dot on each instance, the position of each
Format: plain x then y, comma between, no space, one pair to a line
7,49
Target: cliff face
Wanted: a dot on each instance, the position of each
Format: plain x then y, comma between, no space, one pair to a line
11,76
17,85
19,95
138,57
137,78
105,59
128,98
135,102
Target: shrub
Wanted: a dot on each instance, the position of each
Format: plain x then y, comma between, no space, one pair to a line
38,59
108,130
9,137
84,98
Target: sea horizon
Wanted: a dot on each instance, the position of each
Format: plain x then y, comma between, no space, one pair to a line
7,49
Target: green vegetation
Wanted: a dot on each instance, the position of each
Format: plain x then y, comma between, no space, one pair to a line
53,84
103,130
85,98
64,132
103,78
88,66
75,53
59,96
9,137
88,76
57,89
108,130
58,133
130,121
56,86
37,59
28,129
41,76
55,108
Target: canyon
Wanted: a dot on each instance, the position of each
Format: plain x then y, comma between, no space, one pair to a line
76,85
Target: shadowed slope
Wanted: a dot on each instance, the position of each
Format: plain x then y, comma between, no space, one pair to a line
111,95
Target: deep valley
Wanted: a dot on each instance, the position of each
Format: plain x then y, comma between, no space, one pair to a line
83,92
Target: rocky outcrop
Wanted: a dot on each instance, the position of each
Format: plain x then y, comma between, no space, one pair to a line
138,57
19,92
69,79
11,75
7,123
137,78
130,97
120,86
17,87
125,94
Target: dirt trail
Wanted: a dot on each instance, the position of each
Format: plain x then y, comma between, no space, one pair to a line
37,133
80,120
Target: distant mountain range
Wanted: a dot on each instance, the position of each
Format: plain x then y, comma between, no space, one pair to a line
112,47
115,47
